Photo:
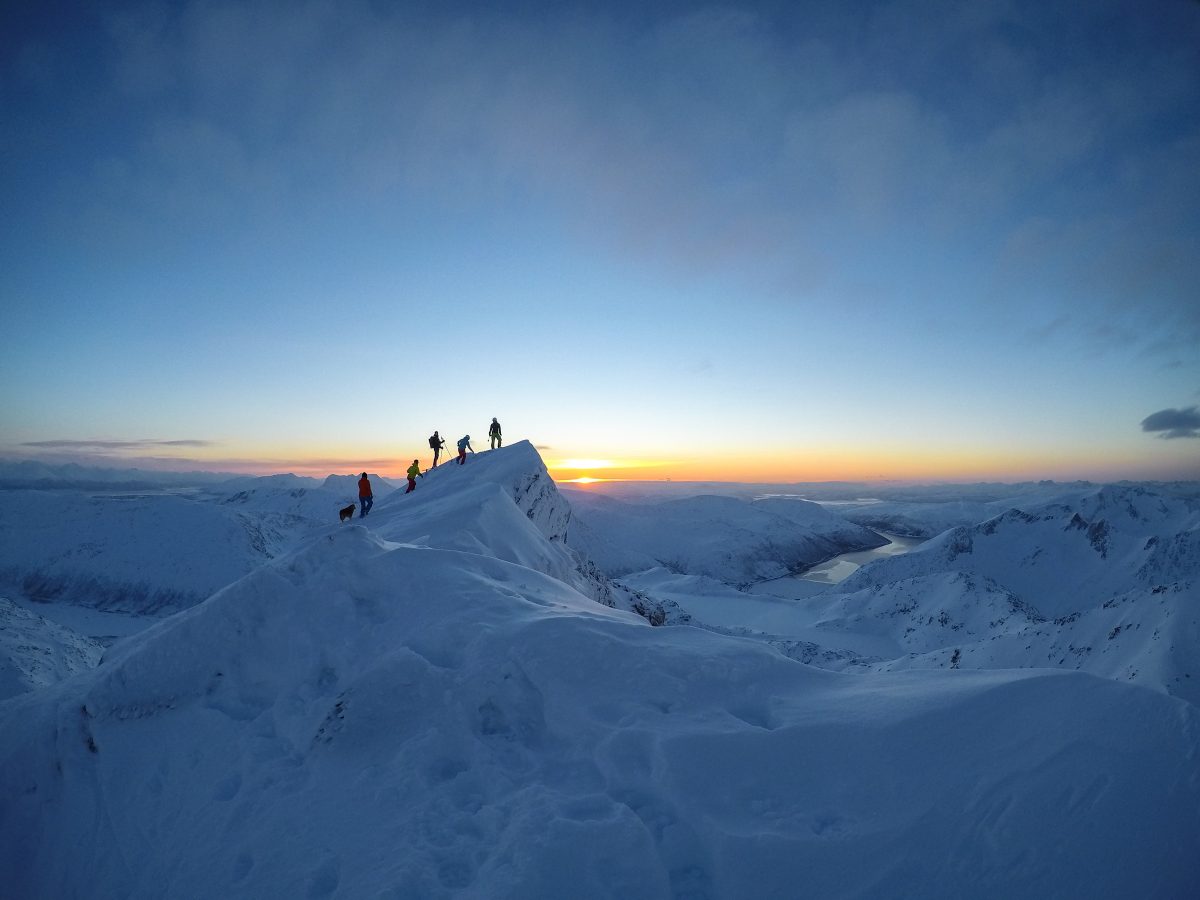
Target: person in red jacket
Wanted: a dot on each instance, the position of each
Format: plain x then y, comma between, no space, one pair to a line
364,495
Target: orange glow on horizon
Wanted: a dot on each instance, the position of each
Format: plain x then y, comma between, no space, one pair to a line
824,464
801,464
781,464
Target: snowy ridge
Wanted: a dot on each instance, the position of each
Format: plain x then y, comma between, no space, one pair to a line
504,504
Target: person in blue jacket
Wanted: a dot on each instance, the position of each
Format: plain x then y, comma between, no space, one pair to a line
464,445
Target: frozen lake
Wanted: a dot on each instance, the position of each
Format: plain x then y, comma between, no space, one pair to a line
819,578
842,567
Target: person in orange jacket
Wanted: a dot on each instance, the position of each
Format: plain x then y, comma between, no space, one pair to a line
413,471
364,495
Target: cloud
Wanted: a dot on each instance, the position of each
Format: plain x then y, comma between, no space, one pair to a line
1174,423
114,446
755,139
108,454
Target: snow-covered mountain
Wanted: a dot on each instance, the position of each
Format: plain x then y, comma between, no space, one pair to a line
153,552
923,511
144,553
284,481
729,539
425,704
347,485
31,474
1107,582
430,702
915,510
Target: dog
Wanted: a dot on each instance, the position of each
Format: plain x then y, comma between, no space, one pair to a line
347,513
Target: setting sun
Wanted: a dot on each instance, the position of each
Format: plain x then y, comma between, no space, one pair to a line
578,470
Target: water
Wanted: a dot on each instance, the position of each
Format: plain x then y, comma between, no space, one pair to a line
840,568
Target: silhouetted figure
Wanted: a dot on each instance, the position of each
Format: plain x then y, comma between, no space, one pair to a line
436,443
413,471
463,446
494,434
364,495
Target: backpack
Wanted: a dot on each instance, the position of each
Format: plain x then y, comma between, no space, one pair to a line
433,442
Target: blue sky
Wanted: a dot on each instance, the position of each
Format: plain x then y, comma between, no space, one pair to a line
780,241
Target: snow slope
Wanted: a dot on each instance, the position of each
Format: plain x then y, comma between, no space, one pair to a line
153,552
374,715
143,553
364,718
35,652
287,508
733,540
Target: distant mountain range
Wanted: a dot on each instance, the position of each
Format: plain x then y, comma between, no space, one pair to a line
729,539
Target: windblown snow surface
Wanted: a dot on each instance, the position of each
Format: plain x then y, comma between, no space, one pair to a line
432,703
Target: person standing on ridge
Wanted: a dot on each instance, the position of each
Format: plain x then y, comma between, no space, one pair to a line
494,434
463,446
364,495
436,443
413,471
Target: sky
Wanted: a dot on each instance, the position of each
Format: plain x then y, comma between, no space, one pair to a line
774,242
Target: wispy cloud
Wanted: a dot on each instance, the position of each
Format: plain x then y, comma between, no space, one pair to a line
1174,423
114,446
787,147
722,137
139,454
